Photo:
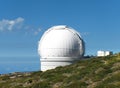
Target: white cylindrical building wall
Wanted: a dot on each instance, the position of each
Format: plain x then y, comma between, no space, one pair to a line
60,46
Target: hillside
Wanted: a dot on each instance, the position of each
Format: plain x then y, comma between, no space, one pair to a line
98,72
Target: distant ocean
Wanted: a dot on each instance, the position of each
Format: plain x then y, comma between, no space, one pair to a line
19,64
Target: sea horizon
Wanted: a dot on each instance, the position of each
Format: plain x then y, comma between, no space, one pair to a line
19,64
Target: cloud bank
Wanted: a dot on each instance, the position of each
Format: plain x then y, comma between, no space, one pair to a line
11,24
18,23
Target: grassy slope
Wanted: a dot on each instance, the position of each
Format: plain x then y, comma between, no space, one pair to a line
99,72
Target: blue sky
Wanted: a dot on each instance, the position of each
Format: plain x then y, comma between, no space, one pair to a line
22,22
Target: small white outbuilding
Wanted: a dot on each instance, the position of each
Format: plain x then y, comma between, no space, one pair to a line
104,53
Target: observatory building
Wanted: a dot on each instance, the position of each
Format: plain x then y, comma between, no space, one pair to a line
60,46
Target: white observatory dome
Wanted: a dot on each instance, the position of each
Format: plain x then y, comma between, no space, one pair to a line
60,46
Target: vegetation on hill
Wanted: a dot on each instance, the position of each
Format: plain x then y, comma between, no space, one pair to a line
96,72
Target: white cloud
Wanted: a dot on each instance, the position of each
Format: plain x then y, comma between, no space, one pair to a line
10,25
18,23
85,33
36,32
